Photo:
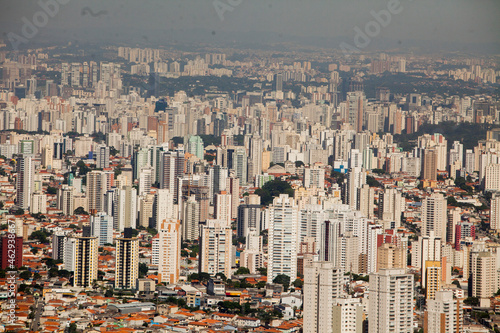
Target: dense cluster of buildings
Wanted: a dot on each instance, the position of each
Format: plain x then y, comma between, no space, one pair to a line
164,201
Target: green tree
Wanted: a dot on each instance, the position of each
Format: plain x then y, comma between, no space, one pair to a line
242,271
298,283
80,211
284,280
25,275
143,270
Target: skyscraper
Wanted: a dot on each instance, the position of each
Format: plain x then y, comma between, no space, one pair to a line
444,314
323,282
216,248
390,207
127,261
102,157
434,216
356,178
171,168
25,181
495,212
191,219
169,250
391,302
86,259
429,165
283,238
249,216
102,227
125,208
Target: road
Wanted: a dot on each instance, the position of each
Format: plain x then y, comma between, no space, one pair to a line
38,314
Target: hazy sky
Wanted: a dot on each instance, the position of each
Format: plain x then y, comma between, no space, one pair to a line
447,21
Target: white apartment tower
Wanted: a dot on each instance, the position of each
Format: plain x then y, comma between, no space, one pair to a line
391,302
283,238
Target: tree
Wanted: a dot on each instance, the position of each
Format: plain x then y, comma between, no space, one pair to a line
143,269
25,275
372,182
284,280
37,276
298,283
19,211
51,190
262,271
41,235
273,189
80,211
242,271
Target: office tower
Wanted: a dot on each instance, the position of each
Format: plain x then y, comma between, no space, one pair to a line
216,248
146,175
25,181
356,104
98,182
47,157
171,168
445,314
222,207
429,164
102,227
483,282
426,248
146,204
356,178
391,256
454,217
127,261
169,261
314,177
347,315
434,216
366,197
191,220
495,212
391,302
38,203
249,216
102,157
65,200
86,259
125,209
163,207
7,261
283,238
390,207
195,146
431,278
492,179
323,282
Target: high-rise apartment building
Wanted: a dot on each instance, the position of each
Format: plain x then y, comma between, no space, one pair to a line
102,156
25,181
283,238
127,261
391,302
86,259
495,212
323,282
216,248
444,314
429,164
390,207
169,244
102,227
191,219
434,215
